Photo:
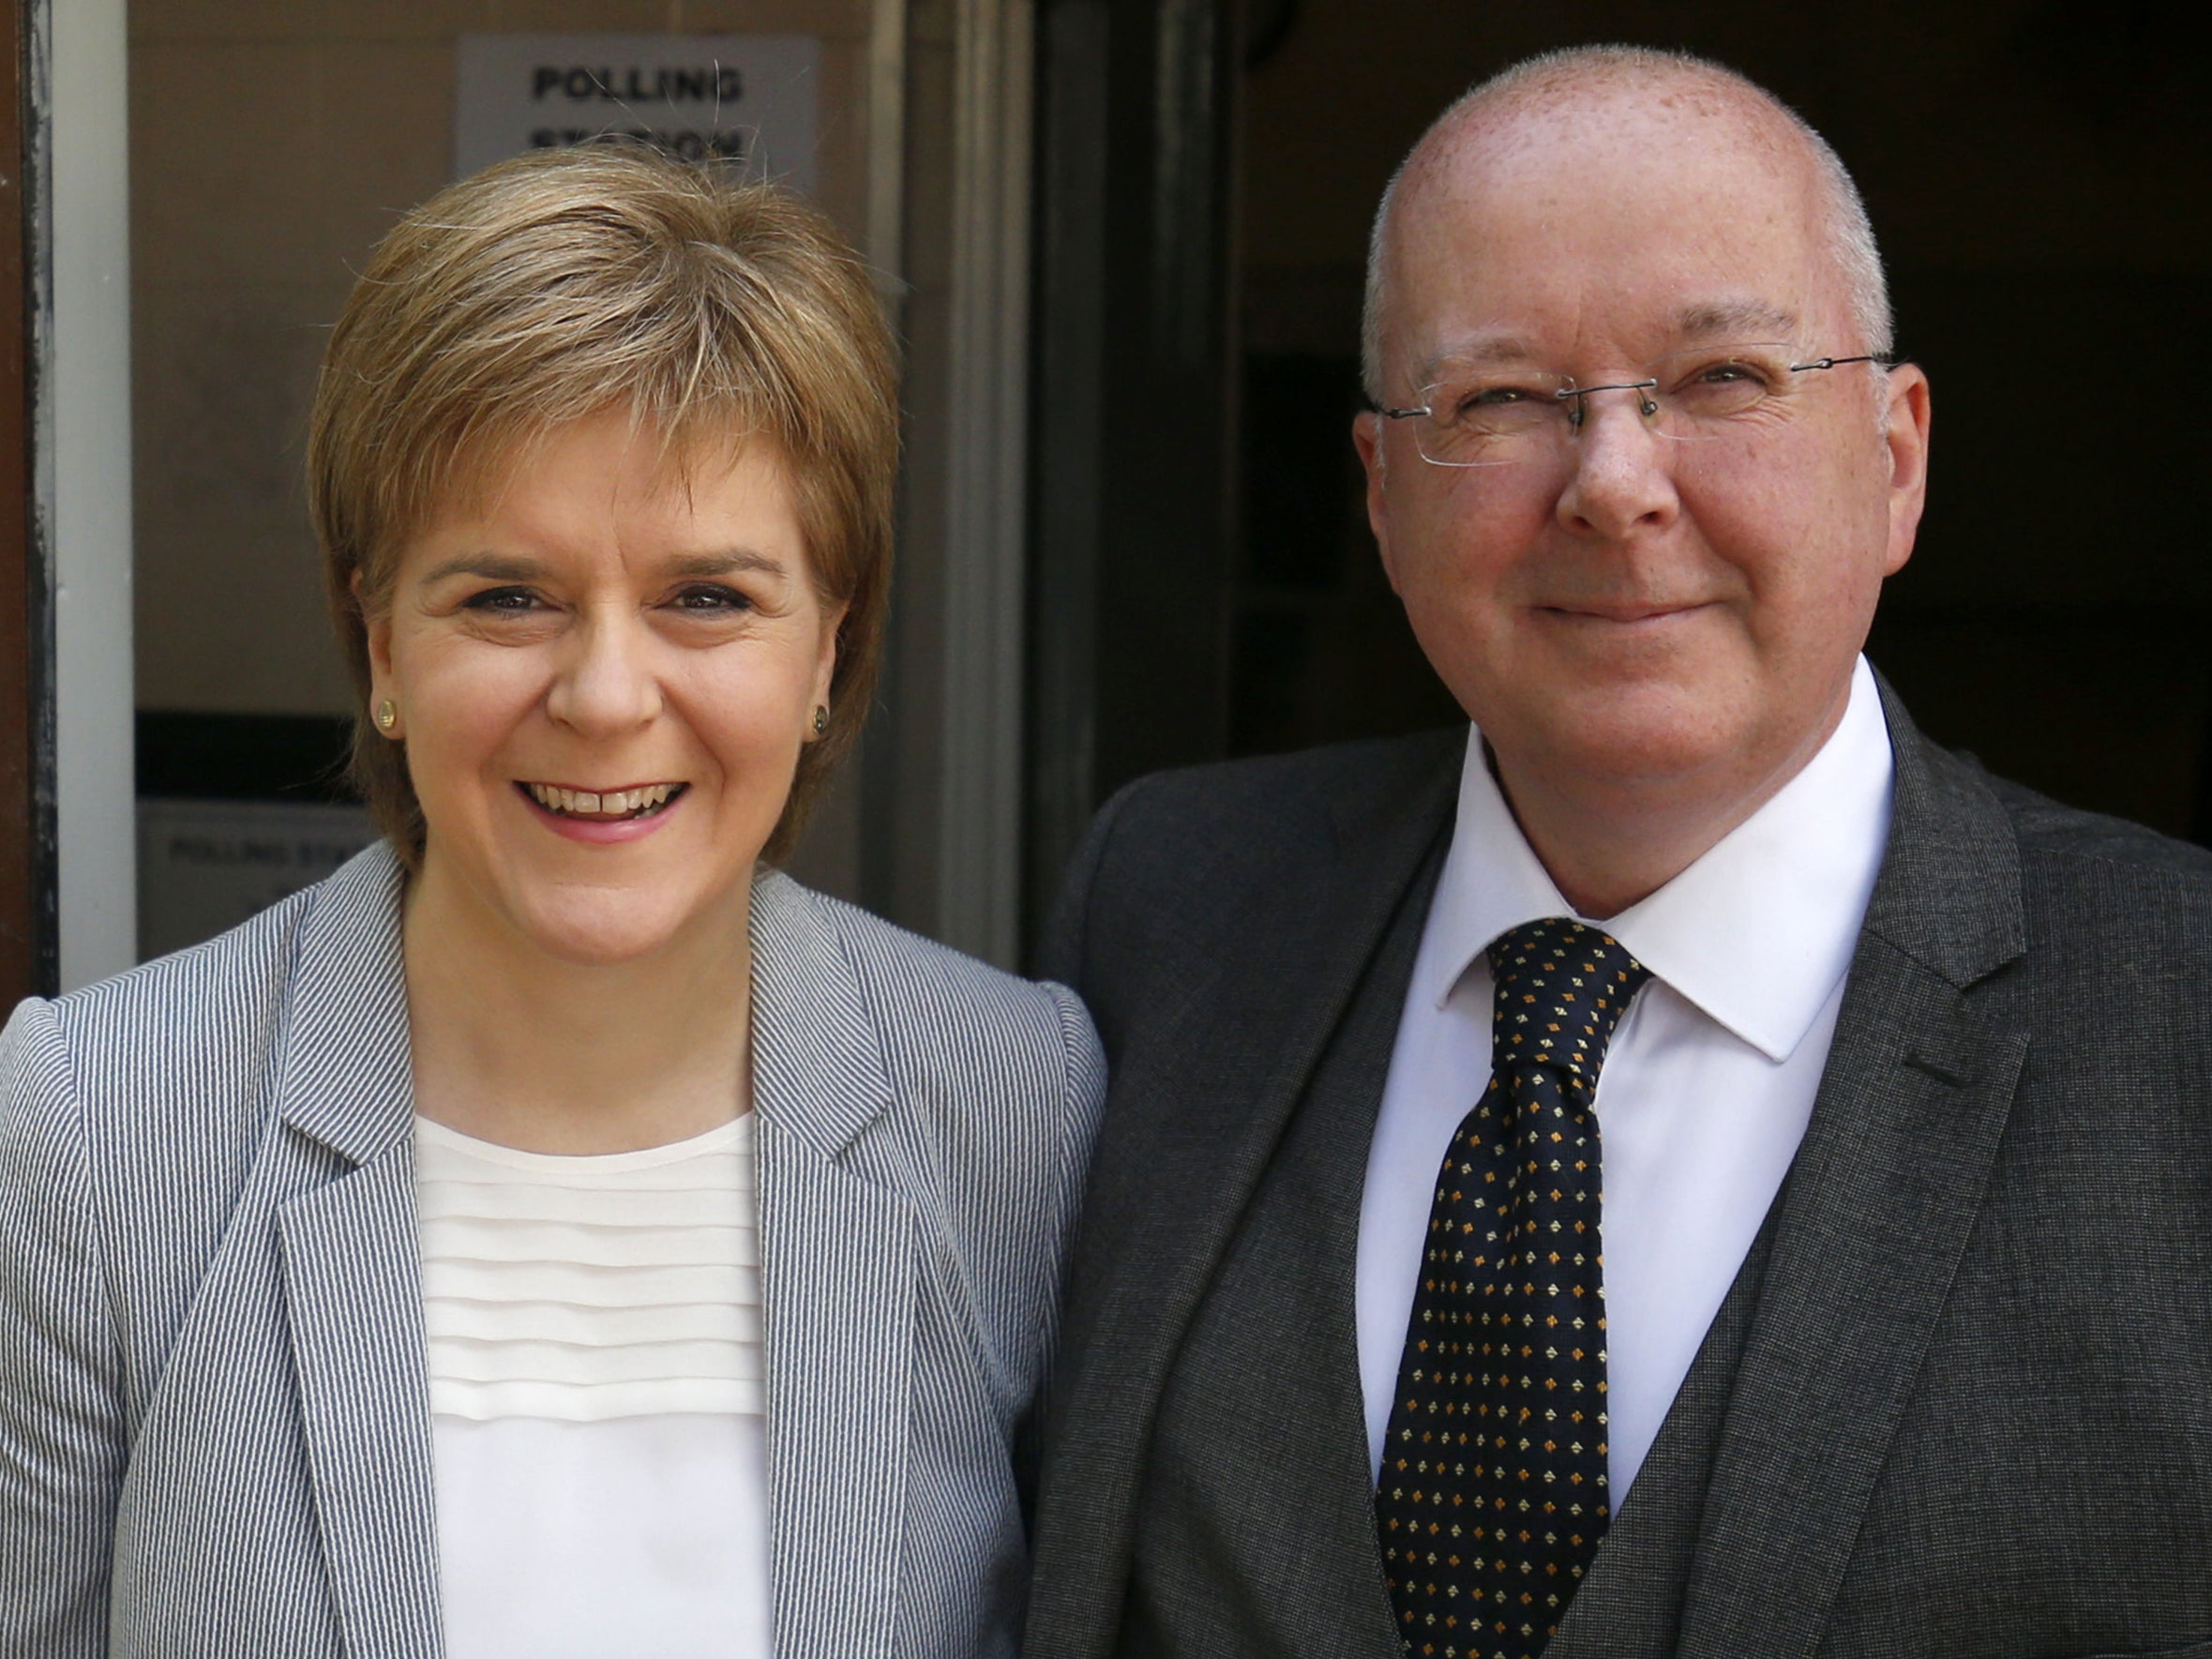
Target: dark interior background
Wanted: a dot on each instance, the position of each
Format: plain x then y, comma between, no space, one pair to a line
2036,173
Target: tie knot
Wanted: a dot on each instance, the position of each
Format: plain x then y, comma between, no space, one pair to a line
1562,986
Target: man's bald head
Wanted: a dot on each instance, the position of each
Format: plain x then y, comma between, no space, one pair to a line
1508,110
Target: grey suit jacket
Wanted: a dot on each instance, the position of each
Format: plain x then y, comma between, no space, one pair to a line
213,1413
1959,1401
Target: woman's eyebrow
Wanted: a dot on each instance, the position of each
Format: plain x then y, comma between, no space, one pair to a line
728,562
485,563
488,565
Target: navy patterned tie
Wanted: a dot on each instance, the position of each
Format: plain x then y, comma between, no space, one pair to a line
1492,1498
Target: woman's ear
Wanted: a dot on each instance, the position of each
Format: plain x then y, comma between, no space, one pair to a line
377,626
825,665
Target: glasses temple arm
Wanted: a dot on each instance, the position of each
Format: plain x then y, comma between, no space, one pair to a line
1832,362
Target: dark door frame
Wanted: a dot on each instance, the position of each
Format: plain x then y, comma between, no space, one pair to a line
28,935
1133,407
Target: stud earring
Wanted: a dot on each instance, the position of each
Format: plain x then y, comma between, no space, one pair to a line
822,719
388,714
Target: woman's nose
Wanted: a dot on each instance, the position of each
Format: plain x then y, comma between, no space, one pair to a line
607,682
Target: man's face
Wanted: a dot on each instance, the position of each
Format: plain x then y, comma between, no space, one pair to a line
1623,611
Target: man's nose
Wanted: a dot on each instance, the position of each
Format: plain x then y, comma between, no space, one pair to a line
606,683
1622,469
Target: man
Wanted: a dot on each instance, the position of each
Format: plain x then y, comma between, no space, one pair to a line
1686,1166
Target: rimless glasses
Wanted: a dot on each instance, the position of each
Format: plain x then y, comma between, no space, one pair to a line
1484,417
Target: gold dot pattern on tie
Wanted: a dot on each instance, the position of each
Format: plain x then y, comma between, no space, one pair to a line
1493,1495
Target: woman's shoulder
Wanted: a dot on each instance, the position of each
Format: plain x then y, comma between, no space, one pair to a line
917,988
205,1020
192,987
975,1093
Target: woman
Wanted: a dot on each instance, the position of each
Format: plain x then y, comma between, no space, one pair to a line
384,1276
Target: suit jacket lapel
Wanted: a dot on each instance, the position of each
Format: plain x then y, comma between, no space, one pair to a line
837,1276
1872,1218
352,1266
1311,1578
1184,1148
352,1287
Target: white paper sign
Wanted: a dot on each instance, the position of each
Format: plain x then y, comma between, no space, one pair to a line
750,99
207,865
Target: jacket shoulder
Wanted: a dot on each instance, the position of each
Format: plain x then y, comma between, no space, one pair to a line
2091,882
994,1087
198,1024
937,1006
925,973
189,1039
155,1092
1272,793
2076,907
2114,909
2067,837
1177,858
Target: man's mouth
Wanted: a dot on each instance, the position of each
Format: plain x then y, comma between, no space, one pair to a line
604,806
1630,612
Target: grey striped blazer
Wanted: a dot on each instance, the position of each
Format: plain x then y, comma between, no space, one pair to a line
214,1412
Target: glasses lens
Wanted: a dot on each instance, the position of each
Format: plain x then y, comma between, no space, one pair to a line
1721,391
1490,419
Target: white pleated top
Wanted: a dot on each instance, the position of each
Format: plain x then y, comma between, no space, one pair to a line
594,1329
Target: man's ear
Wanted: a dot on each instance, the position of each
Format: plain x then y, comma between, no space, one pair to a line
1367,439
1905,437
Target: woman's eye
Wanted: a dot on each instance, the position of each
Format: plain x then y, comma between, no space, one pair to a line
711,599
502,601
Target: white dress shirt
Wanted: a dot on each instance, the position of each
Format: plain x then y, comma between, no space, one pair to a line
1707,1086
597,1397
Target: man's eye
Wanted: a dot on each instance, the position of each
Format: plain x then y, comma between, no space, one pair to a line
1476,402
1733,371
1723,388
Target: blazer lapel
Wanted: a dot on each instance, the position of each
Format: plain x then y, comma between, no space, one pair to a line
1311,1566
1872,1218
352,1287
1187,1140
838,1279
351,1267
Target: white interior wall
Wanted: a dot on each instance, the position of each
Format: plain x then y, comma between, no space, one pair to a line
85,428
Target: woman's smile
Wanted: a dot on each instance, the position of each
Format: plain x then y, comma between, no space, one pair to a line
609,805
602,818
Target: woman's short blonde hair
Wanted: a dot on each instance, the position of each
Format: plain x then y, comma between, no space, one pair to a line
564,283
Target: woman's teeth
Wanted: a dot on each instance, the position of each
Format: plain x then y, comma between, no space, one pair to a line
613,803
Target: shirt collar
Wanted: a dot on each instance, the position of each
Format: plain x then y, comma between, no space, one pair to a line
1757,933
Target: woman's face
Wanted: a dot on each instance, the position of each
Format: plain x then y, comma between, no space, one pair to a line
604,675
